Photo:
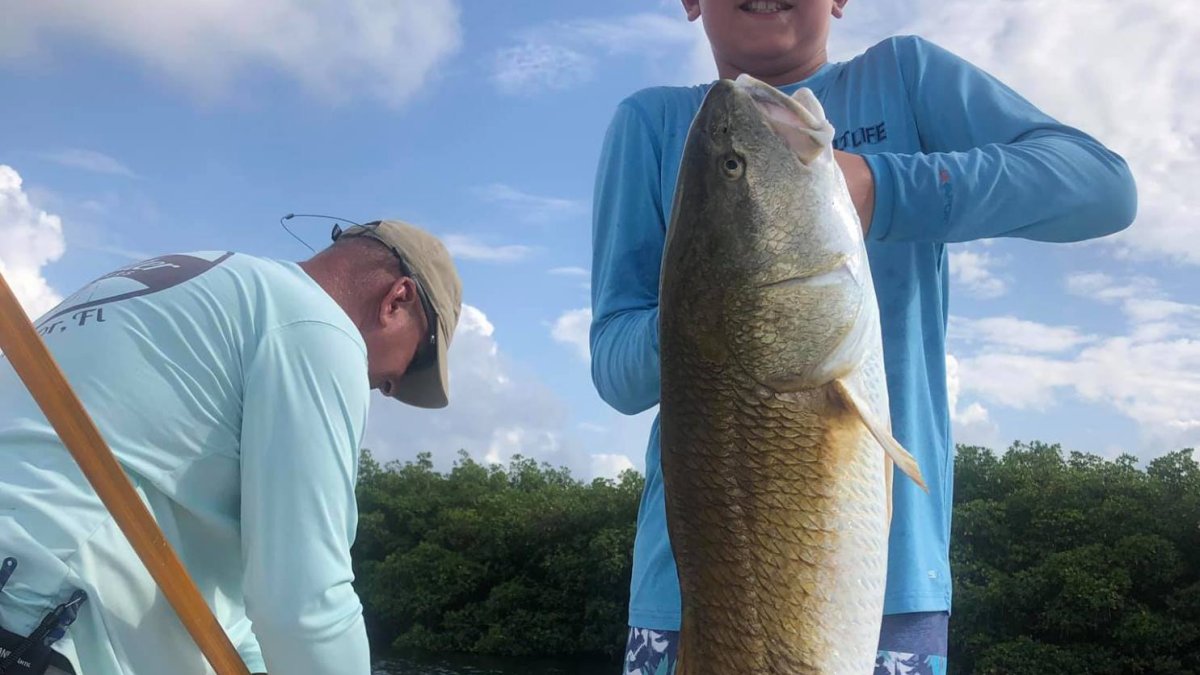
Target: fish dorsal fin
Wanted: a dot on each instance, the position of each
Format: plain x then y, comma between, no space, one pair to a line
895,451
799,119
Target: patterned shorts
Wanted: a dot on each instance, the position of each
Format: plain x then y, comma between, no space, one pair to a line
909,644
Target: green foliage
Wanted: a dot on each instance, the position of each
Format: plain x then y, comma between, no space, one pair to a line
1063,562
1067,563
517,560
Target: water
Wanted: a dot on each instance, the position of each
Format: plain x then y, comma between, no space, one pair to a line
483,665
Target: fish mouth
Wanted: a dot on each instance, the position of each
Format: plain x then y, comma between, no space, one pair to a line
764,6
840,271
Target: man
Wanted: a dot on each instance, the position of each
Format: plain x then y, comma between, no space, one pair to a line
934,151
234,391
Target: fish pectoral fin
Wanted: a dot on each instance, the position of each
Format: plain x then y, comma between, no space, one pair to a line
895,451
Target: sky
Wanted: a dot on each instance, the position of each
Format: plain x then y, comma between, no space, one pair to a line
133,128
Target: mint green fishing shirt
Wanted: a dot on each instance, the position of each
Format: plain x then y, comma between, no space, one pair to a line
234,392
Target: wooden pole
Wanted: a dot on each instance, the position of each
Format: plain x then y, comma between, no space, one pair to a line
45,381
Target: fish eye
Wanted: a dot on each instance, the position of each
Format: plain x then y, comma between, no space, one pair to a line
733,166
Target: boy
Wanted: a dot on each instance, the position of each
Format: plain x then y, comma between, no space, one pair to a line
934,151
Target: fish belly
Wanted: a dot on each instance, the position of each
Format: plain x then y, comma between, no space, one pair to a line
776,509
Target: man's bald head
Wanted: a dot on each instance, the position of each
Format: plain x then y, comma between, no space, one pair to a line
364,264
364,277
397,275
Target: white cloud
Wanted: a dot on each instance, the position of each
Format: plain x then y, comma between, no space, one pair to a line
529,207
972,425
533,67
976,271
1101,286
1150,375
518,440
629,34
562,54
1139,99
1153,383
628,434
497,409
975,414
572,328
491,412
610,465
864,24
1016,380
470,248
1153,316
1059,55
30,238
90,160
584,276
700,66
1014,333
386,49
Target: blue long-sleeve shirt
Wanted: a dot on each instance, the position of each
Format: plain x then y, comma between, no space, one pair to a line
956,156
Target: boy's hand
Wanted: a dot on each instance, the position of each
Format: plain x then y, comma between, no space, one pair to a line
861,184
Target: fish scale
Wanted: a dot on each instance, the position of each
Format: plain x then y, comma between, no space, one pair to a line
775,437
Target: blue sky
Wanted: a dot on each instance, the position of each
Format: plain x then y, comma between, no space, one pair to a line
136,128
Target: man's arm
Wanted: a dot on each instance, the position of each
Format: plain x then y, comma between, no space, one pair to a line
248,647
306,397
994,165
628,232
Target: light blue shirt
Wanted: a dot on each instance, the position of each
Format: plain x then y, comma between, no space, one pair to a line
234,392
956,156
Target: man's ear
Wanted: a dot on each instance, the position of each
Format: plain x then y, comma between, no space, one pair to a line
399,296
838,7
692,7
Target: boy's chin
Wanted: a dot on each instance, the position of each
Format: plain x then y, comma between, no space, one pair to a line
767,58
766,42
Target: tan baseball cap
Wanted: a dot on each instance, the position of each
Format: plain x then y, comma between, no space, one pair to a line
425,258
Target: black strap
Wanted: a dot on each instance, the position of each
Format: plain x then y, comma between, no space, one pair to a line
31,664
6,569
31,655
35,638
61,616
